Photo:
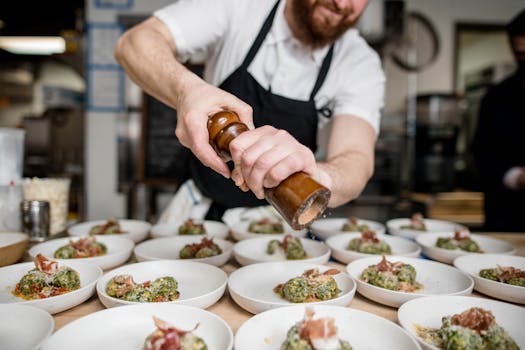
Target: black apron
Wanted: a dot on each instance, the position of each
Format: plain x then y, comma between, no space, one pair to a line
297,117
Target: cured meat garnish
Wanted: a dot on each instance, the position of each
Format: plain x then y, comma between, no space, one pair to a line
475,318
369,236
45,265
508,272
168,327
83,243
385,265
321,328
167,337
108,224
286,241
127,284
461,234
417,221
313,274
204,243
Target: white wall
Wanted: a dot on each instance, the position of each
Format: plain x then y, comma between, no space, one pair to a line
103,200
444,14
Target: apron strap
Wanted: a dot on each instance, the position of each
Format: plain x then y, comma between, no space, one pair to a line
267,25
323,72
260,37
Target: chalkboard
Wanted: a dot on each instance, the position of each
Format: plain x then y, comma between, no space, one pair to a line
163,159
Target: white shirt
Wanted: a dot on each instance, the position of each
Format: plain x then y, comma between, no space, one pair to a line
220,33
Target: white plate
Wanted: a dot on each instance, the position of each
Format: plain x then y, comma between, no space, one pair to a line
487,244
127,327
399,246
24,327
199,285
394,227
119,250
325,228
428,312
253,250
213,229
251,287
472,264
89,274
137,230
437,279
268,330
240,231
170,247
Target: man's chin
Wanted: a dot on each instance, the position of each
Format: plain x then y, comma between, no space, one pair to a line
321,26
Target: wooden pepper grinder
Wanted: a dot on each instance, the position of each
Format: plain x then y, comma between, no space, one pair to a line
299,198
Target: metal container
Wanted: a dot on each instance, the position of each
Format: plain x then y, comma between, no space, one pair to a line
35,219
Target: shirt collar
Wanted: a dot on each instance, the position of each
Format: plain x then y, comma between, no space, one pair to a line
281,32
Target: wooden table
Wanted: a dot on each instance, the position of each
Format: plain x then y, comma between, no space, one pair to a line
234,315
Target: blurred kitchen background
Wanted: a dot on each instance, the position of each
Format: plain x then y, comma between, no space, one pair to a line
85,120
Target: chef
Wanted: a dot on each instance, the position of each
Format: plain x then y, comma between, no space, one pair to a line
295,71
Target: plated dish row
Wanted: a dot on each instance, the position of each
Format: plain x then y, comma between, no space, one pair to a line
243,229
444,322
388,280
137,230
497,271
111,251
279,288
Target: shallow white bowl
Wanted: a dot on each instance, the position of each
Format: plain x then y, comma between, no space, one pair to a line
361,329
487,244
168,249
325,228
13,246
213,229
119,250
432,225
240,231
127,328
437,279
24,327
399,246
428,312
253,250
136,230
89,274
251,287
199,285
472,264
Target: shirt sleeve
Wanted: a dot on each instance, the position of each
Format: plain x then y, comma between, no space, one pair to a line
196,26
362,88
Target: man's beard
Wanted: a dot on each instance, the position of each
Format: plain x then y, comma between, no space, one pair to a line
313,33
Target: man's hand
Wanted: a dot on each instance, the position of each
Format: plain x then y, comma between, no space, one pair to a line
147,54
196,101
265,156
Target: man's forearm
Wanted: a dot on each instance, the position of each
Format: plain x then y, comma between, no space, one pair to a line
147,56
350,158
347,174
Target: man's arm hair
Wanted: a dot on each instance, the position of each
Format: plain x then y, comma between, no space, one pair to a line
350,158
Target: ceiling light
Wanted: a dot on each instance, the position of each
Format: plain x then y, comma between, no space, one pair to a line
33,45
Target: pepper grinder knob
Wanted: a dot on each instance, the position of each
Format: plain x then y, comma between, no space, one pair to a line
299,198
